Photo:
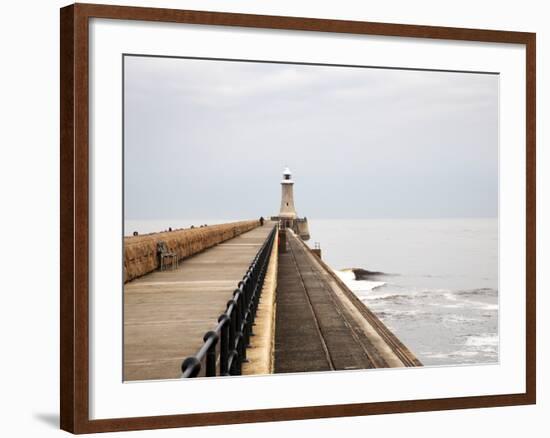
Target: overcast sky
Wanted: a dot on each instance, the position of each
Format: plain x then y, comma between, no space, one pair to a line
210,139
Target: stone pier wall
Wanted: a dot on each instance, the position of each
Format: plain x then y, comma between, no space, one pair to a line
140,252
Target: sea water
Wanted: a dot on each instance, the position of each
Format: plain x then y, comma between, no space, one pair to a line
436,285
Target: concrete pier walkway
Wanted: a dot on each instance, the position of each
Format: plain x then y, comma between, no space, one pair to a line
321,326
166,314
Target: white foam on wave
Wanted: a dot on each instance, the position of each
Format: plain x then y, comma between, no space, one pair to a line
481,305
457,319
402,313
457,300
348,277
488,340
451,354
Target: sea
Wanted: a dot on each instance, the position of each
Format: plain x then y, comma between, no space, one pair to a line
433,282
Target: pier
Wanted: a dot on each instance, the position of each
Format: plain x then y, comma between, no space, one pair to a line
307,319
245,298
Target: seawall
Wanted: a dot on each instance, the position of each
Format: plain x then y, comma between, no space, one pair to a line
140,252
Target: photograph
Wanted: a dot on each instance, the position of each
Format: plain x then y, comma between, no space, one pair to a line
276,215
288,217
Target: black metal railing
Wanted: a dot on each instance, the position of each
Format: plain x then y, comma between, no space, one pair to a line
234,327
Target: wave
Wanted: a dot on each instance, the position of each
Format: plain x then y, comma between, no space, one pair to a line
350,280
398,302
458,298
478,291
396,297
458,354
364,274
483,347
485,340
389,315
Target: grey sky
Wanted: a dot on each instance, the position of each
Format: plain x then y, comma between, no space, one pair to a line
210,139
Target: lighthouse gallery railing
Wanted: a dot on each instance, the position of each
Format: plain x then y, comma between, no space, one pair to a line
234,326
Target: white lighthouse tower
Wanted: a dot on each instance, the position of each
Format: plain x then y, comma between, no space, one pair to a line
287,213
287,210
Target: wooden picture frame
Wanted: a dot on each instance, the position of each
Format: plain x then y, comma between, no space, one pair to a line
75,238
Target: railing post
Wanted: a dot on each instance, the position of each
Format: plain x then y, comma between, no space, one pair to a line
224,343
233,333
238,311
234,357
243,286
242,307
237,347
211,353
241,347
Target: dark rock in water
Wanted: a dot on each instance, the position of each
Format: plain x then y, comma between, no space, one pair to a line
363,274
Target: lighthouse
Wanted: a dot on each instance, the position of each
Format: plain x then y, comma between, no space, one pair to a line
287,213
287,210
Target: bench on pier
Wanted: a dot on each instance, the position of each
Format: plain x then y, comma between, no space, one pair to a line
166,258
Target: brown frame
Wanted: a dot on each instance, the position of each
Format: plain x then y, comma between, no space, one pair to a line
74,217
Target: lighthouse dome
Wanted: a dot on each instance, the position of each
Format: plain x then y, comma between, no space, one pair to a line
287,176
